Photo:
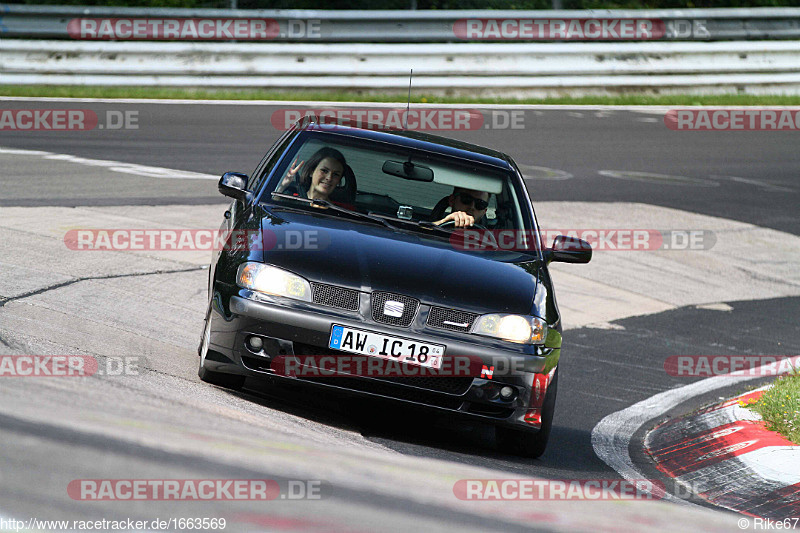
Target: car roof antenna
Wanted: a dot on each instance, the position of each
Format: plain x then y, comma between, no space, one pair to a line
408,105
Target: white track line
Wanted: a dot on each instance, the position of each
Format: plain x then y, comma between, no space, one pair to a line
774,464
115,166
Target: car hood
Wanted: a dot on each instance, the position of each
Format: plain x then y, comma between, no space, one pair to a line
341,251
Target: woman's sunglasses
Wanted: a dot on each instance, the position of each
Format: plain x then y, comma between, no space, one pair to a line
467,199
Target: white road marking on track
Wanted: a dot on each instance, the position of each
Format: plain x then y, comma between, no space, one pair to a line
611,437
721,306
727,415
533,172
114,166
605,325
652,177
776,464
758,183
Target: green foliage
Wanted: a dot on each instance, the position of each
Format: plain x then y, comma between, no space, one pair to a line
425,4
780,407
80,91
131,3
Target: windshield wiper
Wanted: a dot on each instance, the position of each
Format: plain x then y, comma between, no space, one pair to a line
325,204
424,224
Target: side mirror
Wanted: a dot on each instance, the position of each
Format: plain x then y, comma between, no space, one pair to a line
569,250
234,184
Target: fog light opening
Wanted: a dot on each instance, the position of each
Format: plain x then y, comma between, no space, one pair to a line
506,392
255,343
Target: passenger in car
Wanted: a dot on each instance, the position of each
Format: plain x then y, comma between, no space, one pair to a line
468,207
317,178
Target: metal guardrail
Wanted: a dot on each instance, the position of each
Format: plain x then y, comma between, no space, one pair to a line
507,69
19,20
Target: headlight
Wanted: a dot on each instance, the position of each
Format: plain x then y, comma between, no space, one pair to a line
514,328
272,280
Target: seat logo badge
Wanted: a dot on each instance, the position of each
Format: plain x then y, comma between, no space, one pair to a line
393,308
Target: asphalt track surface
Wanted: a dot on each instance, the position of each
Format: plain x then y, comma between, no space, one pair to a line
149,428
746,176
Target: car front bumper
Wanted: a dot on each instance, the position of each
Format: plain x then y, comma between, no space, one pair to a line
290,329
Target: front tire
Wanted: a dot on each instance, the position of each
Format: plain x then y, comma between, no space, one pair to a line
520,442
228,381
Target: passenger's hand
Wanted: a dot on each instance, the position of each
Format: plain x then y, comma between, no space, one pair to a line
294,168
460,219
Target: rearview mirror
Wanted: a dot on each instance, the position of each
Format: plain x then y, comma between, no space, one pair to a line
569,250
408,170
234,185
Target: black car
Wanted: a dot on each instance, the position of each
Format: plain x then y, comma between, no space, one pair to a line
343,270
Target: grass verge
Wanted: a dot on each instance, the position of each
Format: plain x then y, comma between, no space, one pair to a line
70,91
779,406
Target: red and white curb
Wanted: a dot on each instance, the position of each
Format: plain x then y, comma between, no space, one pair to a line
725,455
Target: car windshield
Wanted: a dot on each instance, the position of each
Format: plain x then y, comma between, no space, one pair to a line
406,187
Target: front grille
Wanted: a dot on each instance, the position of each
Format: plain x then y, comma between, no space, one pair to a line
447,385
334,296
379,300
431,384
452,319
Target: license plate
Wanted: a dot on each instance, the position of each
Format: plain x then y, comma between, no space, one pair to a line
386,347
